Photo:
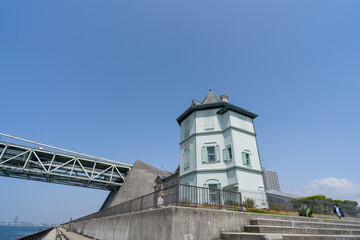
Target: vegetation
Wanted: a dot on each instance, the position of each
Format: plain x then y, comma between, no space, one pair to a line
276,206
323,205
305,211
231,203
185,202
258,211
250,202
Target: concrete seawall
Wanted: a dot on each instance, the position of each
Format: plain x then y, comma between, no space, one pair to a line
177,223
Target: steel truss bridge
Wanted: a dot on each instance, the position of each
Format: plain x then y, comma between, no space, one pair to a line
55,165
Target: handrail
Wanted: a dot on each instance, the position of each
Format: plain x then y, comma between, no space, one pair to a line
176,195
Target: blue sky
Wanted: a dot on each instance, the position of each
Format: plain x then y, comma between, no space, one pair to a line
109,78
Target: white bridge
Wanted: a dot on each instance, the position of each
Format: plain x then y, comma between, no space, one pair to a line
41,162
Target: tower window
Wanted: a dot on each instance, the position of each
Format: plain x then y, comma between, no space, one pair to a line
213,193
211,154
246,158
229,152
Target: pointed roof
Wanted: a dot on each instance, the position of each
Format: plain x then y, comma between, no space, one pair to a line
210,98
211,101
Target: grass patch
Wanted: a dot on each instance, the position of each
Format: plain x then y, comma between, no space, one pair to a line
259,211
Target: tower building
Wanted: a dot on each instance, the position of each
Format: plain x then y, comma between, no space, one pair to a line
218,148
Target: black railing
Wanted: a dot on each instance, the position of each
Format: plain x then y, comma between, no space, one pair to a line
177,195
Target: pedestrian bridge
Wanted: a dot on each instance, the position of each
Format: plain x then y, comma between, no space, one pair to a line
30,160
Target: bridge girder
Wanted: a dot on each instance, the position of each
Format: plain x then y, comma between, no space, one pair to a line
37,164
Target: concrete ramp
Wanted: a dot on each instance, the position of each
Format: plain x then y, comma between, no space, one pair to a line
140,181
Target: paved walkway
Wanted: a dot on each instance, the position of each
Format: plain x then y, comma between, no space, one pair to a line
51,235
62,234
73,236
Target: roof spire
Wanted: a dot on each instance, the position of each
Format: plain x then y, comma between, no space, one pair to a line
210,98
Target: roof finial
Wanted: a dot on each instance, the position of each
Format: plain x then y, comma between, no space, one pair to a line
210,90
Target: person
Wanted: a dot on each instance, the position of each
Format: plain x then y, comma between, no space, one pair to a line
242,209
338,211
160,201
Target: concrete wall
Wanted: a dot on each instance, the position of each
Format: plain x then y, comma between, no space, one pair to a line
173,223
140,181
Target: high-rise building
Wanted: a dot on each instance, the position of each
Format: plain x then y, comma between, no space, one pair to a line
271,180
218,148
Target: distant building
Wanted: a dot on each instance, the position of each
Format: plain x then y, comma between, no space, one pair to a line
218,148
166,181
271,180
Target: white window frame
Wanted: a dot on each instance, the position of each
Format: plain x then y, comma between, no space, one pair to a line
212,196
246,153
227,153
205,153
209,155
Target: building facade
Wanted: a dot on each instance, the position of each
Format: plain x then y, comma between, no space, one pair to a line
271,180
218,148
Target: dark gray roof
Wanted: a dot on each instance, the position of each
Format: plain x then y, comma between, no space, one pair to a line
211,102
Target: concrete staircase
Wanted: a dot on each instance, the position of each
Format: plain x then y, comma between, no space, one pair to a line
296,229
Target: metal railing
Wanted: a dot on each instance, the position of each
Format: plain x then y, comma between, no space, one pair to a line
177,195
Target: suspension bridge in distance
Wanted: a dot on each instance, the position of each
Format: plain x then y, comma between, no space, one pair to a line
40,162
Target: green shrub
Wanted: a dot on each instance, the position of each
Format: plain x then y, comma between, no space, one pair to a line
250,202
185,202
276,206
315,197
305,211
323,205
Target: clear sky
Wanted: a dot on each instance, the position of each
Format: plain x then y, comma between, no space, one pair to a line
109,78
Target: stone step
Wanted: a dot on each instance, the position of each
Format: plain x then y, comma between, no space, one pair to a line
303,224
305,219
298,230
262,236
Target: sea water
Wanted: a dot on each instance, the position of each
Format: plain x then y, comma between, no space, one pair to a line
12,232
